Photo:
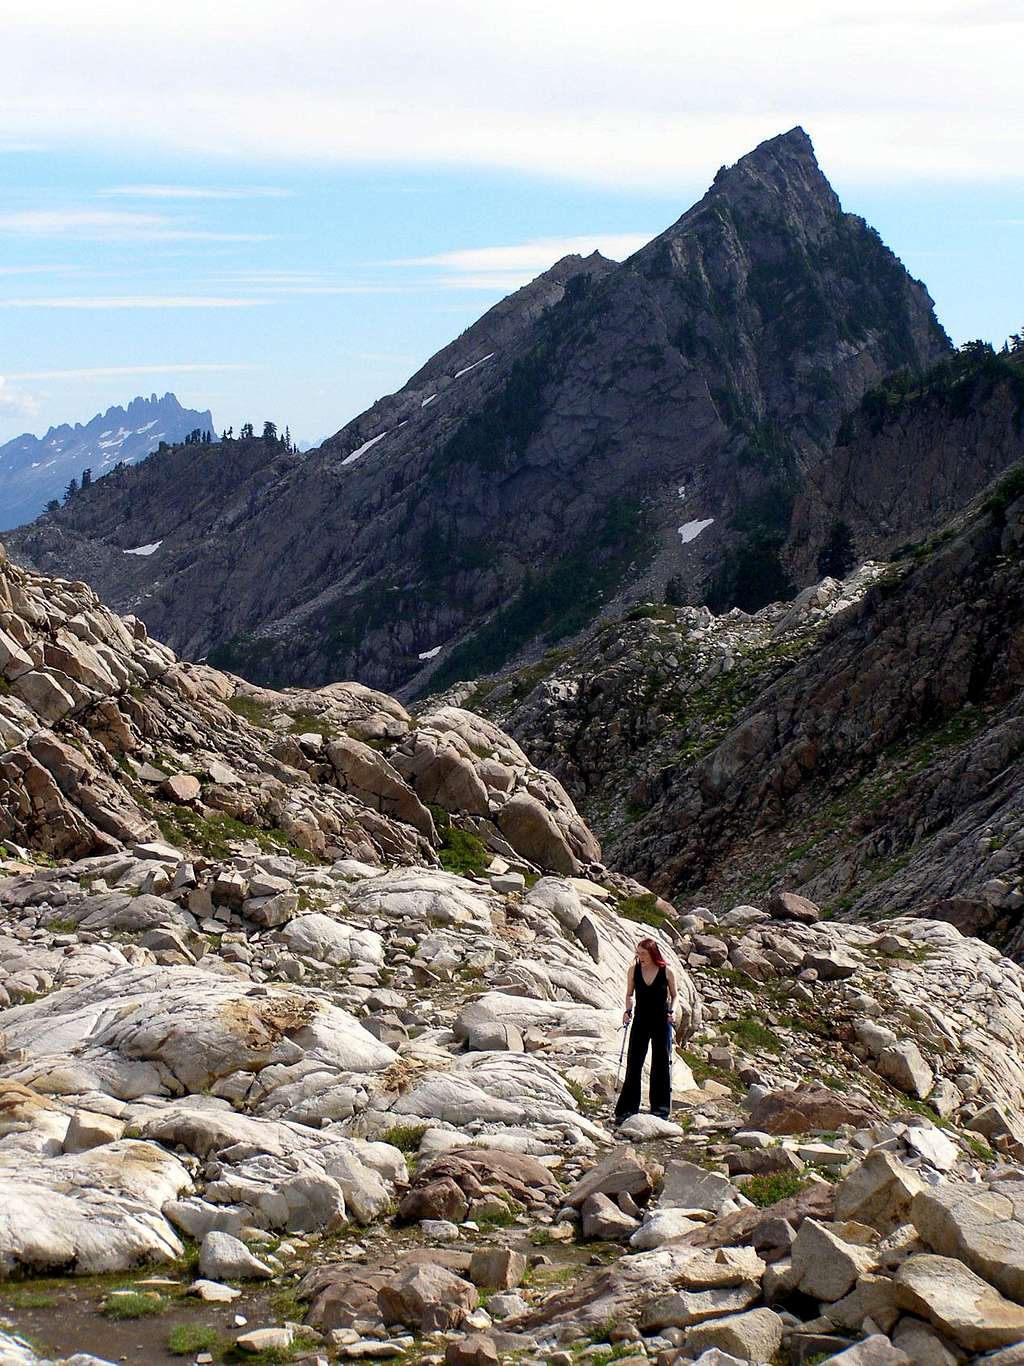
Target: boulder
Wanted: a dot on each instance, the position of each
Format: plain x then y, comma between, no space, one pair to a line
223,1257
962,1306
875,1350
426,1298
752,1336
983,1228
497,1268
88,1212
476,1350
89,1130
878,1193
369,777
790,906
904,1066
440,1199
623,1170
532,832
687,1186
826,1267
688,1307
182,788
602,1218
809,1108
662,1226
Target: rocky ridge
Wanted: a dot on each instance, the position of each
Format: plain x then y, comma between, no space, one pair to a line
34,469
860,745
276,1084
605,429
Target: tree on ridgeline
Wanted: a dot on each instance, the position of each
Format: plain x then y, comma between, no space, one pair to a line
270,431
86,477
71,489
246,432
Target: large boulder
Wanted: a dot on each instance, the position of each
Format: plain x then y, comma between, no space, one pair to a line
825,1266
879,1193
809,1108
984,1228
753,1336
962,1306
88,1212
427,1298
369,777
532,832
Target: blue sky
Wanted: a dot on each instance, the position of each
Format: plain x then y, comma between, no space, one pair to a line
282,211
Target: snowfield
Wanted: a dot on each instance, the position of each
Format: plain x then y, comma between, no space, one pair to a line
689,531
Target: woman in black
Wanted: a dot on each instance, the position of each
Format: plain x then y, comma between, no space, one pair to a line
653,983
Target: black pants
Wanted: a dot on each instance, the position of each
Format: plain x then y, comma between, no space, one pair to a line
646,1033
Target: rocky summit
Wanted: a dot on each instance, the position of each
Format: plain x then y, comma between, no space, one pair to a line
606,430
310,1022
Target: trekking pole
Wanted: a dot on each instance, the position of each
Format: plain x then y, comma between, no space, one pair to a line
622,1052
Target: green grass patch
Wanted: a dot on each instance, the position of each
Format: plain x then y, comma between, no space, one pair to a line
188,1338
306,723
26,1297
705,1071
63,924
643,909
979,1148
461,851
212,835
405,1137
773,1187
135,1304
248,708
748,1031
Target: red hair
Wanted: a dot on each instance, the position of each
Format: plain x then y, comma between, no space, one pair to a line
652,947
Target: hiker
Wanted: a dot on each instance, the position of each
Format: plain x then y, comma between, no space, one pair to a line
653,983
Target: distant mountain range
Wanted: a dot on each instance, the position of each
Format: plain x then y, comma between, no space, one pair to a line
36,469
611,433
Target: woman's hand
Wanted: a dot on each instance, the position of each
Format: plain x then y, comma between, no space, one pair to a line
627,1015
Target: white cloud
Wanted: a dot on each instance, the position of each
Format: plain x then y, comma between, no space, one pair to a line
196,192
647,95
107,371
112,225
38,270
135,301
16,403
508,267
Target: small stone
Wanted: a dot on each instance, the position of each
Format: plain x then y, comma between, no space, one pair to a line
265,1340
213,1292
224,1257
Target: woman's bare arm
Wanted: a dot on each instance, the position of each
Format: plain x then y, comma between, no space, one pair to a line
627,1014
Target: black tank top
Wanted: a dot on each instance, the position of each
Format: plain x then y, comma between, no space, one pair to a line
650,999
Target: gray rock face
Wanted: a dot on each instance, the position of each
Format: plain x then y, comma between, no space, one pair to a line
595,377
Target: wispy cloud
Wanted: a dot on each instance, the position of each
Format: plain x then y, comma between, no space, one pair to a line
39,270
107,371
509,266
195,192
113,224
16,403
136,301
